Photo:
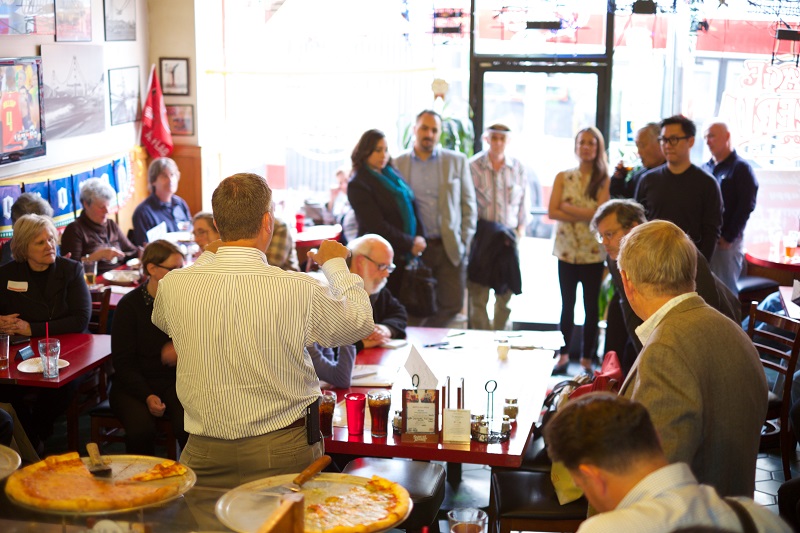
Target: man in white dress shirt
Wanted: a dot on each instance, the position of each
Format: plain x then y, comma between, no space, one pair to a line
240,328
613,453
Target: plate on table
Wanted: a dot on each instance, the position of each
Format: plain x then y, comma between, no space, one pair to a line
122,277
34,366
9,461
123,467
246,507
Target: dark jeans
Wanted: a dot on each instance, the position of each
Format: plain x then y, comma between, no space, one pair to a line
591,277
140,425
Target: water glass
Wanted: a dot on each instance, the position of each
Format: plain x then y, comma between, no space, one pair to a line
356,403
467,521
4,339
89,271
327,405
49,351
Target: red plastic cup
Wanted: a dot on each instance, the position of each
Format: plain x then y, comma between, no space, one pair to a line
355,403
299,222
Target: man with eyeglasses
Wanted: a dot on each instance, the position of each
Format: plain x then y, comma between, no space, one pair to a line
371,258
739,190
613,221
681,192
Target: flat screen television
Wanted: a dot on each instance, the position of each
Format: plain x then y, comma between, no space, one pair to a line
21,109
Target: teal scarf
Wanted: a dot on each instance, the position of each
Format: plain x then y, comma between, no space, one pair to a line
403,196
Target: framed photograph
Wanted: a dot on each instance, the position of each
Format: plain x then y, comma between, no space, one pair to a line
181,119
27,17
174,73
123,92
120,18
73,20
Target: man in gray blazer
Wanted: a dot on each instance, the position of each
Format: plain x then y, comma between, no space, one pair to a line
698,373
445,197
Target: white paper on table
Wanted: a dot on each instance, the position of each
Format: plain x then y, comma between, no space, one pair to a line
415,364
157,232
457,426
373,376
796,292
119,289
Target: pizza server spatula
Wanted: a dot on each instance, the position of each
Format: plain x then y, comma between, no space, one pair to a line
97,467
313,469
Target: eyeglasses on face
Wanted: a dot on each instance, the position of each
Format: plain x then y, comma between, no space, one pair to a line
381,266
607,235
168,269
672,141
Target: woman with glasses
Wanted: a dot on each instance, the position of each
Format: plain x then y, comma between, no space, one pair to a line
143,389
573,202
204,230
383,203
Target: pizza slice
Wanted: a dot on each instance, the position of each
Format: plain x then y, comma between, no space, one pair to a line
168,468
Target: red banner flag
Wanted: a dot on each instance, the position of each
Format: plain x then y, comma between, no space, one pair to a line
156,137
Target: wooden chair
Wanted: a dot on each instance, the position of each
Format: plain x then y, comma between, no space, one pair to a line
93,389
783,347
106,428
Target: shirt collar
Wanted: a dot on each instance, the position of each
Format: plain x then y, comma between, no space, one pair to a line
241,252
157,201
91,223
434,154
487,163
664,479
646,328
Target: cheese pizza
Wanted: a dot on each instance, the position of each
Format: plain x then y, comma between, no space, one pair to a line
63,483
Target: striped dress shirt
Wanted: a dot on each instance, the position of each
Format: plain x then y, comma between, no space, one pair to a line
240,327
501,195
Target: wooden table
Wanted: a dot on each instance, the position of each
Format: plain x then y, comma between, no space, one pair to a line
772,262
524,375
84,352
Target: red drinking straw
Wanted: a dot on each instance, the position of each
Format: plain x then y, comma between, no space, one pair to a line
46,333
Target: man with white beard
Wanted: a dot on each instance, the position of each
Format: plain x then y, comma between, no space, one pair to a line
371,258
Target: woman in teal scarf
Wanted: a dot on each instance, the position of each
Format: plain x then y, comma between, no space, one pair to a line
383,203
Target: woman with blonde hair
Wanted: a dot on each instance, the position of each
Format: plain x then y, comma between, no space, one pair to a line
576,194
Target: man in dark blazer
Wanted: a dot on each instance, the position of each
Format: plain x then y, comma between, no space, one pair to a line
445,197
698,374
615,219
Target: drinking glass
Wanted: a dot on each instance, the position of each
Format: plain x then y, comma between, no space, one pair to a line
467,521
4,339
790,243
89,271
355,402
49,351
326,407
379,401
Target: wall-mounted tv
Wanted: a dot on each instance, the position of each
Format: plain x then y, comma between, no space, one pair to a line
21,109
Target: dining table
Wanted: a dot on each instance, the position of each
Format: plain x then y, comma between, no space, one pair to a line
791,308
472,355
770,260
83,351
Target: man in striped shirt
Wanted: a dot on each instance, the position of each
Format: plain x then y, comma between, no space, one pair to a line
240,328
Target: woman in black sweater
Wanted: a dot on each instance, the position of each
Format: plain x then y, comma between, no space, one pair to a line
143,388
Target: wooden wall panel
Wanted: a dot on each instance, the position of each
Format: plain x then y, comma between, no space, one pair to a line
190,187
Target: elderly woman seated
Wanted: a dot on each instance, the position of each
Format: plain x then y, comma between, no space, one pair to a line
94,234
40,291
144,358
27,204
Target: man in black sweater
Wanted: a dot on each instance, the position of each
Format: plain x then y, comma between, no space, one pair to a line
681,192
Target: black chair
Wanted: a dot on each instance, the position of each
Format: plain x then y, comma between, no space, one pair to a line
754,288
423,481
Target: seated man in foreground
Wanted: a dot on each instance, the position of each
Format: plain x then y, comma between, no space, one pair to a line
612,452
372,259
698,374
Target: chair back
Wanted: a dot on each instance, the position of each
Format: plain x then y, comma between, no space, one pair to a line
778,346
101,303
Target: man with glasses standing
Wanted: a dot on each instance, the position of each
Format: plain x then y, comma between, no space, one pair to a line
371,258
681,192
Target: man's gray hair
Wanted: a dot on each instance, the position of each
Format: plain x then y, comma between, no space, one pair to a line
652,128
629,213
240,203
29,203
659,259
26,230
366,243
96,189
158,166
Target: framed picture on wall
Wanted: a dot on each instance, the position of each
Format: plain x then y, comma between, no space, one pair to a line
123,92
73,20
174,74
181,119
120,17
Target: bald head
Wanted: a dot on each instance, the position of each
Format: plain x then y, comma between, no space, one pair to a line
718,140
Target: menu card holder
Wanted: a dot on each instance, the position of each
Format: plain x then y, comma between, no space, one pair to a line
420,415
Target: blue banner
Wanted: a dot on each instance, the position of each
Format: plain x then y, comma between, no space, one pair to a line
124,182
106,173
61,201
39,188
8,195
77,184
